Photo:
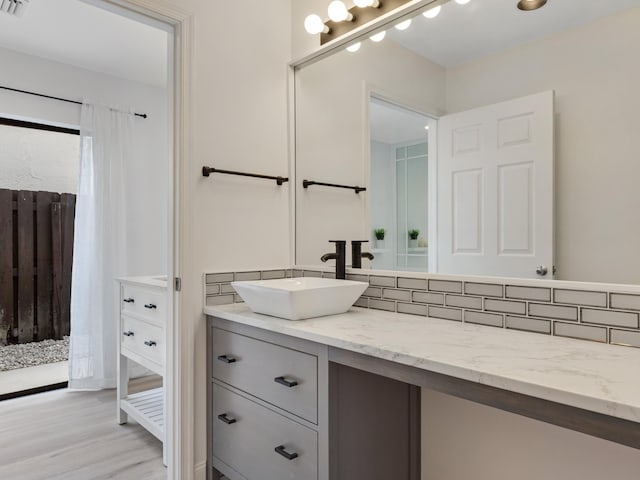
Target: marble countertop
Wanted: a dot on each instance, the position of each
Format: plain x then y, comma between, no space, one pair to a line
159,281
592,376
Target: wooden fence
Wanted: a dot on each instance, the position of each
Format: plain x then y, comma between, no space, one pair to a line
36,250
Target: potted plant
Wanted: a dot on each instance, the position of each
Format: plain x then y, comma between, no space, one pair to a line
413,238
379,233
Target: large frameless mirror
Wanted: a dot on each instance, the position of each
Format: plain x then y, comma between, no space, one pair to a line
529,160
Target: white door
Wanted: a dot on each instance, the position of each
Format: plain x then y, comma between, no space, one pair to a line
495,189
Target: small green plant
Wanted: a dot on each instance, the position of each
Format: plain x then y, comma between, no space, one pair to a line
413,234
379,233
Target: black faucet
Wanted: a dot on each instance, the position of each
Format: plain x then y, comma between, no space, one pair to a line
340,257
357,254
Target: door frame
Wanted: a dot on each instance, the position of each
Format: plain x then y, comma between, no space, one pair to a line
179,368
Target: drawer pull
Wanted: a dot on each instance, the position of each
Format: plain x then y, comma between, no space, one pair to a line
128,334
128,300
227,359
289,456
285,382
150,343
150,306
227,419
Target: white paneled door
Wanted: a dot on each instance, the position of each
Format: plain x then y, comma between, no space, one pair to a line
495,189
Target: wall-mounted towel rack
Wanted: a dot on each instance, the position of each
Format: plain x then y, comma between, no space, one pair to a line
308,183
206,171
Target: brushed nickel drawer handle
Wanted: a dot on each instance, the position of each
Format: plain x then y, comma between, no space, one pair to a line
227,419
289,456
150,306
128,300
150,343
128,334
285,382
227,359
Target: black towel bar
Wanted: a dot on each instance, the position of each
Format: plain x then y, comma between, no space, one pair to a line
308,183
206,171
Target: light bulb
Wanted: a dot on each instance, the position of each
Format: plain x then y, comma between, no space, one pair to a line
366,3
403,25
354,48
462,2
338,12
528,5
313,25
432,12
378,37
427,127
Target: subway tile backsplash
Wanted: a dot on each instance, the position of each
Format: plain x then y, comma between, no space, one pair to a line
505,306
593,315
529,293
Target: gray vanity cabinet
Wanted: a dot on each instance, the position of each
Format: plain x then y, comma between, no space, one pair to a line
279,410
253,366
267,405
248,437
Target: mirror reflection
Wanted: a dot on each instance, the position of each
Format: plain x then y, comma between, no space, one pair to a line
530,162
399,156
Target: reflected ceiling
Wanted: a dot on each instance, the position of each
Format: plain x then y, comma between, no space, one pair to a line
491,28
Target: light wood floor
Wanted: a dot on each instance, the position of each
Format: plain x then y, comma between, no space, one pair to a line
64,435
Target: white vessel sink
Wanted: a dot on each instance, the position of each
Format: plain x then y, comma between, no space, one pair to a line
300,298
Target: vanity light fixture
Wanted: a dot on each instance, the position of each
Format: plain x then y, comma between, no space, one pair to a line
528,5
462,2
354,48
344,19
366,3
338,12
378,37
404,25
313,24
432,12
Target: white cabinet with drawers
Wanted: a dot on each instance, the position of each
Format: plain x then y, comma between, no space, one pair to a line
141,339
268,405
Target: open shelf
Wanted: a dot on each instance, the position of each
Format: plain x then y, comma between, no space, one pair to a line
147,408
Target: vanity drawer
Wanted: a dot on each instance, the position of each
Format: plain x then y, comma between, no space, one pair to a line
246,436
281,376
146,303
143,338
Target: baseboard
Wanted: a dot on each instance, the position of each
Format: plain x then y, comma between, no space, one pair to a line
200,471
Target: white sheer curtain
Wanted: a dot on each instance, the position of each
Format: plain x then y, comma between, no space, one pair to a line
99,254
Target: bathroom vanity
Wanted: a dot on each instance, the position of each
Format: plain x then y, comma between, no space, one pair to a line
141,339
338,397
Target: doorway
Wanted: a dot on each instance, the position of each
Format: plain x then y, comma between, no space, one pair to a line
37,203
150,229
402,166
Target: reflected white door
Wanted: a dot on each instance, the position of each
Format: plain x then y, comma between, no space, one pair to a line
495,189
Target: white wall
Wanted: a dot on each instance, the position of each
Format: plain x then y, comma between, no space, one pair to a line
594,71
238,122
38,160
147,215
462,440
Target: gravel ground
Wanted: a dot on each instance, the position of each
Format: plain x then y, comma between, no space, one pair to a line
32,354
